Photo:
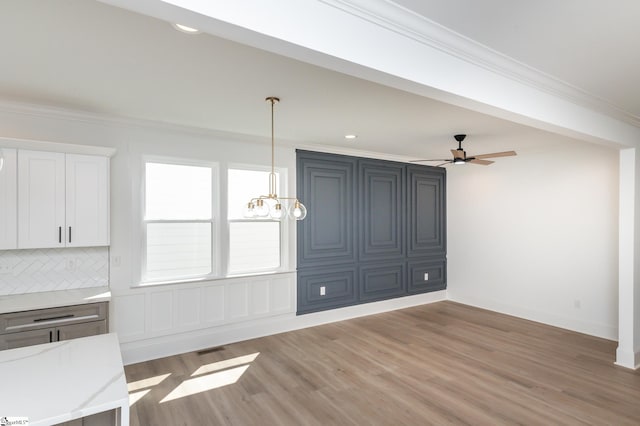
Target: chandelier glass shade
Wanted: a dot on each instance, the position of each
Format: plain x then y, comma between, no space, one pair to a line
272,206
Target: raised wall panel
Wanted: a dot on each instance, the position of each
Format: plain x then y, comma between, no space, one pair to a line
237,299
187,307
381,210
213,304
281,295
426,222
363,230
382,281
161,311
327,188
259,297
129,316
339,289
427,276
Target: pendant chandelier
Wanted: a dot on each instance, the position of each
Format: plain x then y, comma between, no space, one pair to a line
271,206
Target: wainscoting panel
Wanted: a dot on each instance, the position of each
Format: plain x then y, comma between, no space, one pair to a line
396,216
426,210
381,219
213,304
161,312
326,287
429,276
382,281
149,312
331,235
188,307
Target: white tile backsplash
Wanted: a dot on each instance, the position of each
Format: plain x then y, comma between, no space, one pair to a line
31,271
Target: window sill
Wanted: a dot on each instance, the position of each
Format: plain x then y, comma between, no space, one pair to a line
206,279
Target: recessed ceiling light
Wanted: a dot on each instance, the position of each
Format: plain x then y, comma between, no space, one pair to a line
350,137
185,29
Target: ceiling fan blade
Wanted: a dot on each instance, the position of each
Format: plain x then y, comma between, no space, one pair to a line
457,153
442,164
436,159
496,154
481,162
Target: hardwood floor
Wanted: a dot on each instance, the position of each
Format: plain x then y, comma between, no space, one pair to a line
443,363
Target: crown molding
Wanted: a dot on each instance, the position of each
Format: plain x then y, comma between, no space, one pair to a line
93,118
402,21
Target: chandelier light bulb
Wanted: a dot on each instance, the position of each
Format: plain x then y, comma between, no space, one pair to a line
276,212
249,210
298,211
262,209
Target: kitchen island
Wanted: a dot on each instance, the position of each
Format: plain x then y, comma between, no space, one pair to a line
62,381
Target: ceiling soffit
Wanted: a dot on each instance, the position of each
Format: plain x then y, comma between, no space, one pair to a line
410,24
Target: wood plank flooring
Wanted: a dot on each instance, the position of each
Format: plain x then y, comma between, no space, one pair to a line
443,363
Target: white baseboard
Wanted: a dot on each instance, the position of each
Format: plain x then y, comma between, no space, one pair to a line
593,329
159,347
627,359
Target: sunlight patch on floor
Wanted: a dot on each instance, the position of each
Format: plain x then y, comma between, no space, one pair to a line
147,383
205,383
221,365
137,396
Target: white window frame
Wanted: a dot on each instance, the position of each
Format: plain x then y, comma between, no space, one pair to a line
215,218
284,226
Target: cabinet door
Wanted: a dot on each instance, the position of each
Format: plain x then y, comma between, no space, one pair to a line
25,338
87,200
74,331
8,207
41,199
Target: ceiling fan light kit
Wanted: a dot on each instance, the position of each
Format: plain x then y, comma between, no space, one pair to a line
460,155
271,206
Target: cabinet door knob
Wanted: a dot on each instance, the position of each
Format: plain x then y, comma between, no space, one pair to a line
60,234
69,234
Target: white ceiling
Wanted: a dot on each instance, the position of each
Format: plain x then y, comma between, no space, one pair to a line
94,57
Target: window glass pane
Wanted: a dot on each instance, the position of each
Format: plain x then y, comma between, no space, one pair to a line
177,192
178,250
254,246
243,186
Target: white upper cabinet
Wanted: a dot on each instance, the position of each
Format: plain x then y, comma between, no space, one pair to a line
87,200
8,208
63,200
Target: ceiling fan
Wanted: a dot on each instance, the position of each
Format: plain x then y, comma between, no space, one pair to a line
460,155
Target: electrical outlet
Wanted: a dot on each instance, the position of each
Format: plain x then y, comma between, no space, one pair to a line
426,276
323,291
576,303
70,265
116,261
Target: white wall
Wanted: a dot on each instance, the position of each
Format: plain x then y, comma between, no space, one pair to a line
536,236
156,321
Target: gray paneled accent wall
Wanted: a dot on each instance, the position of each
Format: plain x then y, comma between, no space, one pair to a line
375,230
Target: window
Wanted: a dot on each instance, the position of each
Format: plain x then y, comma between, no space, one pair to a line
254,244
178,222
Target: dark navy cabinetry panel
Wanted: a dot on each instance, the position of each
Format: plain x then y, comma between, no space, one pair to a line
375,230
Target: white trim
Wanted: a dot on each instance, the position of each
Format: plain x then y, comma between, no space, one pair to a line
49,146
627,359
593,329
144,350
400,20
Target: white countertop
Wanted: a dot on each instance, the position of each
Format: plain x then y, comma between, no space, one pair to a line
62,381
53,299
